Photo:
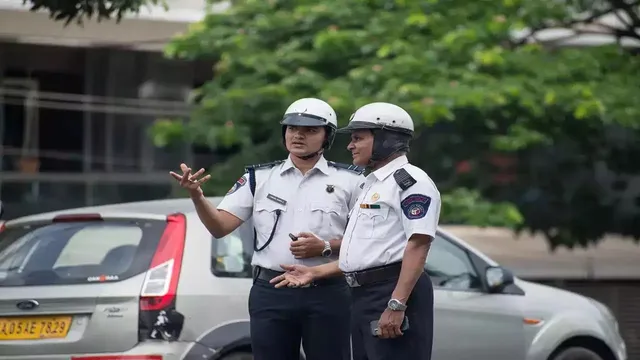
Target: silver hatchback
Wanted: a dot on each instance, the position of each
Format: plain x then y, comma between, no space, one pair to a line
146,281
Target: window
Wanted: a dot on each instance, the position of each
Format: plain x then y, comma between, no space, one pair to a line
450,267
231,255
77,253
88,246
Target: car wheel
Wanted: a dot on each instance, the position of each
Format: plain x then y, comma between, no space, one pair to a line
239,356
577,353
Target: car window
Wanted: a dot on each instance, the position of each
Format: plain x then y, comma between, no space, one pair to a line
92,245
450,267
231,255
77,252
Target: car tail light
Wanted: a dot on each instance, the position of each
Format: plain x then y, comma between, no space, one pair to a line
2,226
157,298
160,285
77,217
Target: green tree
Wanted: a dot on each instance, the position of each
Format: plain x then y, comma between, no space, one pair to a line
520,122
79,10
477,95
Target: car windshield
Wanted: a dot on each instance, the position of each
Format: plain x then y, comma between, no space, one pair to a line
76,252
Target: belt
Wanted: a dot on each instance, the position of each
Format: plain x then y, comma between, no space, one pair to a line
267,275
373,275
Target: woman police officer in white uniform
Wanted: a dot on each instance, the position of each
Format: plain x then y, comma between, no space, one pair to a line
386,242
305,196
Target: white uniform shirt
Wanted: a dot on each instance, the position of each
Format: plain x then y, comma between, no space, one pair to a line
316,202
385,217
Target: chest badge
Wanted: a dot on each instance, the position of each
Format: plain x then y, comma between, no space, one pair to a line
375,197
330,188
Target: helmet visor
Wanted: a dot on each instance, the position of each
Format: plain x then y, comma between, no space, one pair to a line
302,119
364,125
358,125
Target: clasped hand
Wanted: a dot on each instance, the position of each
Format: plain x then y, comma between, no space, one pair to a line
306,246
390,324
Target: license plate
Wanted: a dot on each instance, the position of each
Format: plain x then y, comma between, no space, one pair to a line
29,328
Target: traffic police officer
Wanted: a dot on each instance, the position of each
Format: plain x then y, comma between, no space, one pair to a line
299,208
386,242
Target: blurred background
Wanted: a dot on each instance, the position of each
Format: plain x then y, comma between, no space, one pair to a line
527,113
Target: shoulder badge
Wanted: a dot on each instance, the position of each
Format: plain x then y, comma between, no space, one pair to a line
268,165
404,179
353,168
237,185
415,206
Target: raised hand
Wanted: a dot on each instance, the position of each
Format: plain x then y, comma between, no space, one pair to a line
190,181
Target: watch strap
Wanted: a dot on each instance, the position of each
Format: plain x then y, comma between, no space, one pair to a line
397,305
327,248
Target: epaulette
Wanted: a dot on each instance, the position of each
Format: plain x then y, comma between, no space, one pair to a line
404,179
353,168
268,165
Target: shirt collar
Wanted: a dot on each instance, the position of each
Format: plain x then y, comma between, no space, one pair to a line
321,165
389,168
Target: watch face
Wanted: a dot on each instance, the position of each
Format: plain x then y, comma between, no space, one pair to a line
395,304
326,252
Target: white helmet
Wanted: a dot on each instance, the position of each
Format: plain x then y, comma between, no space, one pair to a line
380,115
312,112
391,125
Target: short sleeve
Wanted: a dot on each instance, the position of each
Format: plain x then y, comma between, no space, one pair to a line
420,206
356,188
239,201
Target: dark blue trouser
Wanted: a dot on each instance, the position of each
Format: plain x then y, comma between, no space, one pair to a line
281,318
368,304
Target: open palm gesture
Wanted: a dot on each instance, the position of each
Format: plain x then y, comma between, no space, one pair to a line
294,276
190,181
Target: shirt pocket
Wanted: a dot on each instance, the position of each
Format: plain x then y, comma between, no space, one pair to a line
325,215
265,215
372,223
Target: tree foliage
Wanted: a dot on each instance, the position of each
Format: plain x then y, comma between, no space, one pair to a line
520,121
80,10
551,128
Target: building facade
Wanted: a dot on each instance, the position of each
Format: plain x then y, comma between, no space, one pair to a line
77,103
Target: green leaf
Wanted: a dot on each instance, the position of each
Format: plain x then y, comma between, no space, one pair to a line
535,119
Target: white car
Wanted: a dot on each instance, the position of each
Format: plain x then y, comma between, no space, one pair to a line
146,281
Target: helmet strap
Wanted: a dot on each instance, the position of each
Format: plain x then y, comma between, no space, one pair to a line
326,144
310,156
386,145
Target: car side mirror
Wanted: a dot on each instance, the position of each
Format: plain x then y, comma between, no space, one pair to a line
498,278
1,209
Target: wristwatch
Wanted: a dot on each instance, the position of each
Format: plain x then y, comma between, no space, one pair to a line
326,252
396,305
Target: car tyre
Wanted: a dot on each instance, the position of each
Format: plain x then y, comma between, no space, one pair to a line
239,356
577,353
